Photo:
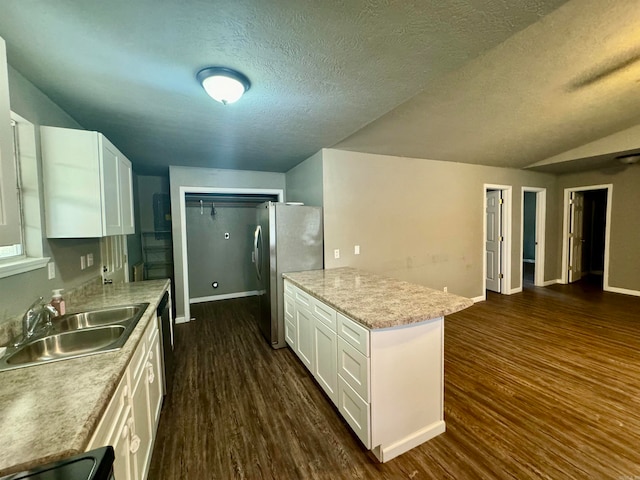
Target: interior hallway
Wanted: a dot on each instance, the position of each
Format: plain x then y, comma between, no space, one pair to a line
541,384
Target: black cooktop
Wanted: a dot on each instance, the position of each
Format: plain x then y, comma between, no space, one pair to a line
93,465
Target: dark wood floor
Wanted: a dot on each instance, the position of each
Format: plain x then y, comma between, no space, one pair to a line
541,384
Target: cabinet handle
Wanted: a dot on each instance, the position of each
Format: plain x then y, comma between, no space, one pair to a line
151,376
135,444
151,355
125,391
125,432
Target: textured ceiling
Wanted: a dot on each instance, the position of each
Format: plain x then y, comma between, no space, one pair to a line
320,71
565,81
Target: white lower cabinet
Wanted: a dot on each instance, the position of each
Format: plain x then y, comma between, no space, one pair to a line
388,384
130,421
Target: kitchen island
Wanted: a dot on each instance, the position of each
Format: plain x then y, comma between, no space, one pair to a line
375,345
51,411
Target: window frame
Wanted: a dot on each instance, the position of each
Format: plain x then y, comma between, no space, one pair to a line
32,257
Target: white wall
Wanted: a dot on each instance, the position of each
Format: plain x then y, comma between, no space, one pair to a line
422,220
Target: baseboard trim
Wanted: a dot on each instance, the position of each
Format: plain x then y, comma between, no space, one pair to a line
624,291
551,282
515,290
384,454
181,319
528,260
481,298
225,296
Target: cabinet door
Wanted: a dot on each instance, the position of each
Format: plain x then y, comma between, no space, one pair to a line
326,354
122,446
111,207
126,195
141,425
304,327
154,377
290,321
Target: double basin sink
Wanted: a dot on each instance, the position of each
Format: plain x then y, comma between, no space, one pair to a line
76,335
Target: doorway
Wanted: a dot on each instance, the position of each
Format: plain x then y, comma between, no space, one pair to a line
586,226
187,193
532,251
497,239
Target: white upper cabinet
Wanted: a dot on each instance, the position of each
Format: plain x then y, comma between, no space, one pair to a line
88,185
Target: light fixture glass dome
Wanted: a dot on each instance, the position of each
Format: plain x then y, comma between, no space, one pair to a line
223,84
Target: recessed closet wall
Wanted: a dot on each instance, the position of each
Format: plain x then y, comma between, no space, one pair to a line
215,259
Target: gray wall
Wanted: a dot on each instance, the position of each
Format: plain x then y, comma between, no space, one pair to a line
208,178
212,258
422,220
18,291
304,182
624,261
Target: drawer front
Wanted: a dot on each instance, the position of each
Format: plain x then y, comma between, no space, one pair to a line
288,288
302,299
138,360
354,368
355,411
354,333
324,313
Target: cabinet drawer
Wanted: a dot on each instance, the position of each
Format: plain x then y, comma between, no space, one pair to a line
302,299
152,331
354,333
138,360
324,313
355,411
354,368
288,288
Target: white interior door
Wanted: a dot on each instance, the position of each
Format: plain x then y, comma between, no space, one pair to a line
493,242
576,209
115,265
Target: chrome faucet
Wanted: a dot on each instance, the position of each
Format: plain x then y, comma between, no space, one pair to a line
33,318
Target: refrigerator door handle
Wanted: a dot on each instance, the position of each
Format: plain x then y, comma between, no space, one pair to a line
257,254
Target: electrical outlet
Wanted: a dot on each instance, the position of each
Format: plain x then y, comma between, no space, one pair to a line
446,289
336,253
89,259
356,250
83,262
51,270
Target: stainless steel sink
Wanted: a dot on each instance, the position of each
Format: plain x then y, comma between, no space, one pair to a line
77,335
97,318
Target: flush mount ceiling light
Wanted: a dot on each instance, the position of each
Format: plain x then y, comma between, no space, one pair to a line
223,84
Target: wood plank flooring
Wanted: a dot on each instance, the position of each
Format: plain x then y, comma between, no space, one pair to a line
542,384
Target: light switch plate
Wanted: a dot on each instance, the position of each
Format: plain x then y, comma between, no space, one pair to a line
356,250
83,262
89,259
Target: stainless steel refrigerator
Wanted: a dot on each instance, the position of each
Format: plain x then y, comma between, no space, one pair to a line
287,238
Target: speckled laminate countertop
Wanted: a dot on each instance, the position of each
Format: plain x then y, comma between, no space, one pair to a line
376,301
50,411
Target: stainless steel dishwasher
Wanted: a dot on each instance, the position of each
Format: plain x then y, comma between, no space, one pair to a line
167,325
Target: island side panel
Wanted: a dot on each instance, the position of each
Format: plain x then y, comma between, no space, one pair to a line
407,387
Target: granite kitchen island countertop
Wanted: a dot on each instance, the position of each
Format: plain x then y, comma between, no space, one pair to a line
374,300
50,411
